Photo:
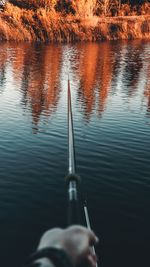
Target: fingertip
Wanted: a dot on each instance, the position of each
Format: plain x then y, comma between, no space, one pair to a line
93,238
97,240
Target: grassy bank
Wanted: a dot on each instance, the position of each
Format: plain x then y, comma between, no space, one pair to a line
18,24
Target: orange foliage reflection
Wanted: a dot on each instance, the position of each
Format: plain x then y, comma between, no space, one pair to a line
40,79
3,63
87,69
147,89
105,73
99,65
37,68
96,73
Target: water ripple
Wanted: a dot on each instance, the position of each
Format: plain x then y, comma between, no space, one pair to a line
111,106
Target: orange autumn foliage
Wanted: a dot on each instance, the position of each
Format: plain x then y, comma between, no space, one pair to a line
39,21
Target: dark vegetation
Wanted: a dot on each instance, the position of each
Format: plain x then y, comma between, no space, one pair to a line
65,20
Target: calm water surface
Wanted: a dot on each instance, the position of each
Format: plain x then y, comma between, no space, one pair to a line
110,85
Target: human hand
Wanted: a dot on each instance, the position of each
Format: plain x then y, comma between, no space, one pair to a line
76,241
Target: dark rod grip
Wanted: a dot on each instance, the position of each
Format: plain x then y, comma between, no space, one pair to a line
73,212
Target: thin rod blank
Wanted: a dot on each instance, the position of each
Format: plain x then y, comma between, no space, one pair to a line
70,135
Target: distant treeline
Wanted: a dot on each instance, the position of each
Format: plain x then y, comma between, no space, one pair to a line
88,8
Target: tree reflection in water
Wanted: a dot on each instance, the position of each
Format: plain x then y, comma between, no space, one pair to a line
97,69
3,63
147,89
133,67
40,83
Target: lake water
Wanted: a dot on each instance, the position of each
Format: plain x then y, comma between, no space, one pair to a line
110,84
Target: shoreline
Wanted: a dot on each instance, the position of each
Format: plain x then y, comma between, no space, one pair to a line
18,25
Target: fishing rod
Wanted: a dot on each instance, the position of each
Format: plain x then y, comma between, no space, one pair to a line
72,178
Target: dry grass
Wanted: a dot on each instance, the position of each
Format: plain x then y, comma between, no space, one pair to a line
20,24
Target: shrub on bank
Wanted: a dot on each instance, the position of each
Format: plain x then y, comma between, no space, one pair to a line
86,8
46,24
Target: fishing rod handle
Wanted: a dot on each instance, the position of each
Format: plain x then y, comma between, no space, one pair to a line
73,213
